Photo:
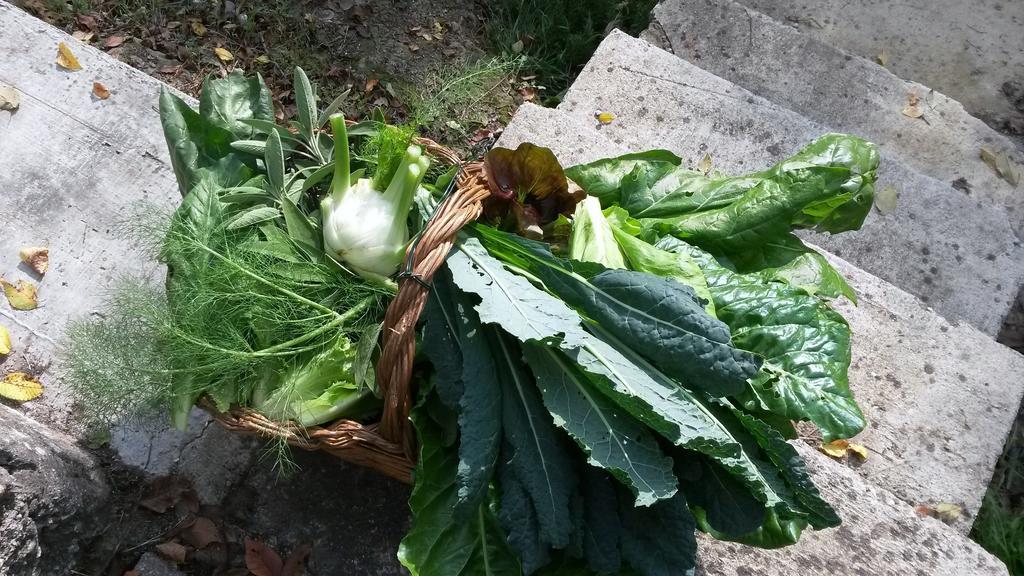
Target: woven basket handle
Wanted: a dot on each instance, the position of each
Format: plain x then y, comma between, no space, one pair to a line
398,336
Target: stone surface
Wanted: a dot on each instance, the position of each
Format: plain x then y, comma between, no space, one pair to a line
956,253
968,50
72,168
152,565
52,498
880,536
940,398
846,93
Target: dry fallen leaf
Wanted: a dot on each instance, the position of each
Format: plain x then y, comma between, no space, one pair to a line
882,58
100,91
413,48
5,341
66,59
10,99
82,36
223,54
913,108
20,387
164,493
604,117
885,200
38,257
202,533
1001,164
371,84
113,41
840,448
261,560
263,59
943,511
517,46
705,164
173,551
22,295
198,29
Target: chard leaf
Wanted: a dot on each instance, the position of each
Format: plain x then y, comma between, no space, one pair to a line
592,239
611,438
603,178
455,343
438,542
228,101
805,344
533,448
661,319
658,540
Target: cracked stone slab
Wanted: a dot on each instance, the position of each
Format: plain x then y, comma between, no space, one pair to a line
939,397
968,50
956,253
801,72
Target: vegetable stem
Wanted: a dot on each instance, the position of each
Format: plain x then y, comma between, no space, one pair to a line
340,183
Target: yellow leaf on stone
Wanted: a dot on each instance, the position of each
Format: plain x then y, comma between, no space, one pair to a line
840,448
37,257
705,164
1001,164
5,341
20,387
22,296
913,111
836,448
66,59
882,58
100,91
604,117
198,29
948,512
223,54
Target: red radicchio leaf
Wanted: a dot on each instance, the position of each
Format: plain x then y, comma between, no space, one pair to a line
528,188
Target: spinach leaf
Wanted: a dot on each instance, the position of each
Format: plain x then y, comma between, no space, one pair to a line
805,345
227,102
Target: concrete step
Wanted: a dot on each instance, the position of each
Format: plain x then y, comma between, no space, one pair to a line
938,416
972,51
848,93
956,253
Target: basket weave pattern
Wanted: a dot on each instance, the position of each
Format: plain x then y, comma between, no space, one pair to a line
388,446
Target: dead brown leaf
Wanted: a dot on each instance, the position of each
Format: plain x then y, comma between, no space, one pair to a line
37,257
87,21
202,532
529,93
173,551
705,164
261,559
413,48
66,58
164,493
83,36
371,84
113,41
169,69
944,511
883,57
100,91
840,448
198,29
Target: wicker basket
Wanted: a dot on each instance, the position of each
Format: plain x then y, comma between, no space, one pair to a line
389,445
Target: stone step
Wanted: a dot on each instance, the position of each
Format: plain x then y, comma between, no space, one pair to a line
847,93
956,253
972,51
939,398
938,413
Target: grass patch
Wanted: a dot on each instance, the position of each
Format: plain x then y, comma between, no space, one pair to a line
999,527
557,37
